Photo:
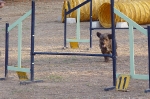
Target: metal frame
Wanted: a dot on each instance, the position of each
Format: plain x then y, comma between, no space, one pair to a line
77,54
32,53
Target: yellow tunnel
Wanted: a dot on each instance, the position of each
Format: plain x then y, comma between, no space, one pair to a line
85,10
138,11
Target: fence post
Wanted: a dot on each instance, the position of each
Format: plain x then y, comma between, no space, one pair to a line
32,40
148,34
6,49
113,47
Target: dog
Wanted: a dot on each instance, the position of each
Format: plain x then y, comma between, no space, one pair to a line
105,44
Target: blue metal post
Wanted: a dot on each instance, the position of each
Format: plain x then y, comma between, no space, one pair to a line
113,46
32,40
65,29
149,52
32,47
148,34
113,42
6,49
90,23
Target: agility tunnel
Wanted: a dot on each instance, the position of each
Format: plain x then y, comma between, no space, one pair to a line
85,10
138,11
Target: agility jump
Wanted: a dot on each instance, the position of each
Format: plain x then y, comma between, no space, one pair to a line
113,56
32,53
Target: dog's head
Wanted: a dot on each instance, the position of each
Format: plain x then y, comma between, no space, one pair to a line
104,40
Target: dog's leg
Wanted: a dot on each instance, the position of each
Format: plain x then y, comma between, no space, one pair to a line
106,59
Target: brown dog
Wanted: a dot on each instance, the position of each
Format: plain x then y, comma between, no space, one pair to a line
105,44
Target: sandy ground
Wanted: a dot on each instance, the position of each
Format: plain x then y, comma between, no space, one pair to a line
66,77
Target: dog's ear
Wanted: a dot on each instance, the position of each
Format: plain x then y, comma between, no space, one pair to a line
110,36
98,34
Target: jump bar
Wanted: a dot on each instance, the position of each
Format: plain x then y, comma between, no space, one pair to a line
115,28
77,54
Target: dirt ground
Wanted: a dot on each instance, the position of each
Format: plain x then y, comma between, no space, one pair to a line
66,77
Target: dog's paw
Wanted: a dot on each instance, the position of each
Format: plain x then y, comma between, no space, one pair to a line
106,59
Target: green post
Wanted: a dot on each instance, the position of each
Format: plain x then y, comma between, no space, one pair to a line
78,24
19,43
131,41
